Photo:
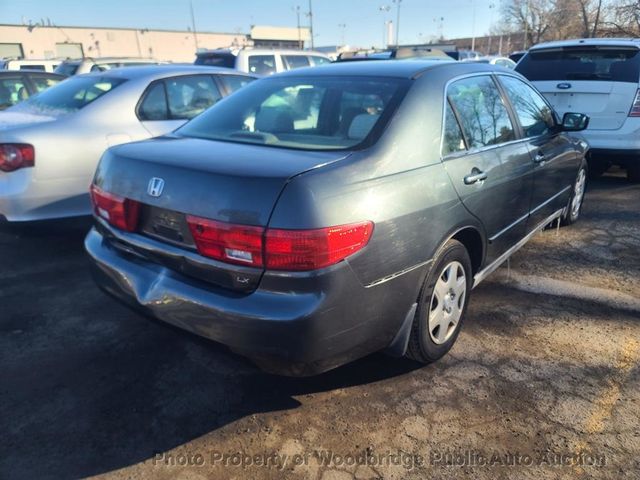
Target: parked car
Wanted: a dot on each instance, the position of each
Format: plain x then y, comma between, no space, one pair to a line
600,77
261,61
18,86
50,144
499,61
322,214
517,55
402,53
43,65
89,65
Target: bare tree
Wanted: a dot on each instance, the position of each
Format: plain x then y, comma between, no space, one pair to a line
625,18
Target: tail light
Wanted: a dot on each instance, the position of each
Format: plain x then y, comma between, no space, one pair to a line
312,249
240,244
275,249
635,108
118,211
14,156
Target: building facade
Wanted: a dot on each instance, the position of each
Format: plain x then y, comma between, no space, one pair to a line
49,41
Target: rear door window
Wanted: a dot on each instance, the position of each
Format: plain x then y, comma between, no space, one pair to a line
42,83
535,115
262,64
12,91
154,103
483,116
582,63
234,82
191,95
295,61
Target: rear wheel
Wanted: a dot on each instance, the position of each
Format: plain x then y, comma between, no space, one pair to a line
442,304
577,197
633,172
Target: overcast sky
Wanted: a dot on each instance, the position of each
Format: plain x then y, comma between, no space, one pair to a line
363,20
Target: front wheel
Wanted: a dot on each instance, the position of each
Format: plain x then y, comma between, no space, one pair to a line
577,197
442,304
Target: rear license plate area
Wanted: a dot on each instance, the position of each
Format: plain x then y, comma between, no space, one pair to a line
165,225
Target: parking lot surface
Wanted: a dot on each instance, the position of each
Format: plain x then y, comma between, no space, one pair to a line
544,381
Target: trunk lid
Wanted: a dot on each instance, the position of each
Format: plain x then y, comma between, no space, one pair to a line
606,103
228,182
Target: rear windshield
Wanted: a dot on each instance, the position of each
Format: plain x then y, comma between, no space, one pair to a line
72,94
226,60
327,113
67,69
604,64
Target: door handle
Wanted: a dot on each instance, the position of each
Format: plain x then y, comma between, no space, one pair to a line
539,157
475,176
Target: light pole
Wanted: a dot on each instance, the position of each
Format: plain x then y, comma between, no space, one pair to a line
342,26
473,26
297,10
385,40
397,2
310,15
491,7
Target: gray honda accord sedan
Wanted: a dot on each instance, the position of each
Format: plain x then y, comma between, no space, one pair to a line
323,214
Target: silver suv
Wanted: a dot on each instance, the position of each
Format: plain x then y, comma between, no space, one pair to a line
599,77
261,61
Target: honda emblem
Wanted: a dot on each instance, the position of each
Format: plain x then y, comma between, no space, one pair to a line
156,185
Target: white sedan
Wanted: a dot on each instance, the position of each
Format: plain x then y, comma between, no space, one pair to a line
51,143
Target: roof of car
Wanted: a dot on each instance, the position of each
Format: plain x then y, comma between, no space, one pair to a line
160,71
577,42
259,51
13,73
388,68
109,59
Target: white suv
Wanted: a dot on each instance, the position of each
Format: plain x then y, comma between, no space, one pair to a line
598,77
261,61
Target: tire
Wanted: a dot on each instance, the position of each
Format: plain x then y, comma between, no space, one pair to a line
427,344
576,200
633,172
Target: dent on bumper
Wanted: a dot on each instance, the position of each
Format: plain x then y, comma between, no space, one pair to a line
299,333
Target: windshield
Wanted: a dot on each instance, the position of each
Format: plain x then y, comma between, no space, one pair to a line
73,94
582,63
67,69
326,113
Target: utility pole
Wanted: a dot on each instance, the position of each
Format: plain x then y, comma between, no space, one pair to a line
397,2
193,25
311,23
342,26
297,10
473,26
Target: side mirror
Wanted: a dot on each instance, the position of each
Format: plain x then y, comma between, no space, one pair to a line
574,122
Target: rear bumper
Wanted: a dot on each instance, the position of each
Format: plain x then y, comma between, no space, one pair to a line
292,324
24,198
615,146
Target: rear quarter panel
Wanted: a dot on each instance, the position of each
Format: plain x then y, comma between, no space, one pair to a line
400,184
